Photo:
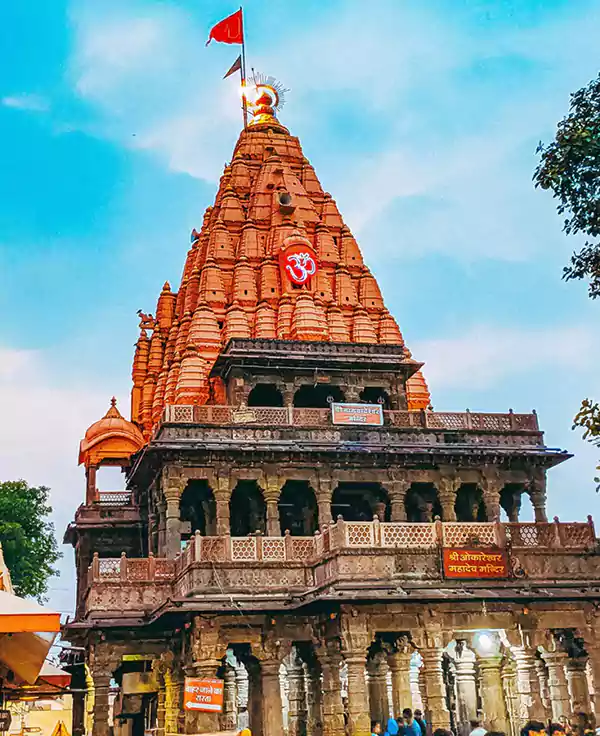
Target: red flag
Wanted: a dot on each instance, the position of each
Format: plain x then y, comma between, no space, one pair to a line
229,30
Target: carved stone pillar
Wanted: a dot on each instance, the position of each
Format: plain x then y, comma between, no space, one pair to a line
557,683
222,494
255,696
358,705
172,494
324,495
492,693
297,714
378,701
314,698
399,664
578,685
447,488
271,495
241,686
593,649
528,685
435,689
197,721
330,659
272,711
537,493
398,489
491,486
466,689
101,708
229,717
542,675
417,689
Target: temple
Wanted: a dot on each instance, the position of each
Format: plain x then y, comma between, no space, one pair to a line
303,544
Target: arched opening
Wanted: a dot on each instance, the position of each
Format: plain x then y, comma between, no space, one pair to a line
317,397
360,502
199,509
511,499
247,509
375,395
298,509
265,394
469,504
422,502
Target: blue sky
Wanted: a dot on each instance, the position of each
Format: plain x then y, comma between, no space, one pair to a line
420,116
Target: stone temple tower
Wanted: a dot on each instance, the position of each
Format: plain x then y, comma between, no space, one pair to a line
301,536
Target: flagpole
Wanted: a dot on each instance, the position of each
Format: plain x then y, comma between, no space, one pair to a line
243,72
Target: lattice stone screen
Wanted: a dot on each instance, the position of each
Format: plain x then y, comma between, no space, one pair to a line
456,534
407,535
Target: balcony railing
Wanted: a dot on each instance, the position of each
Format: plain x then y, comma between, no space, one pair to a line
291,416
571,537
114,499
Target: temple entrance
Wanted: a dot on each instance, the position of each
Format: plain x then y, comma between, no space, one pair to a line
265,394
469,504
298,509
318,396
360,502
198,508
247,509
422,503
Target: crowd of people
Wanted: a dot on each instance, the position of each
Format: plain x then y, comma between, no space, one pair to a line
414,724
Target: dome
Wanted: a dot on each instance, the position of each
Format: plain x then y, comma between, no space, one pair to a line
111,439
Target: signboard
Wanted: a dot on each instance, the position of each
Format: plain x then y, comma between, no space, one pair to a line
357,414
243,416
203,694
5,720
298,262
475,564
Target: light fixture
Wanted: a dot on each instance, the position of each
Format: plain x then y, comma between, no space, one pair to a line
484,642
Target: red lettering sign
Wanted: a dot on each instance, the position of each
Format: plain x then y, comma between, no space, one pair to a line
204,694
298,263
475,563
357,414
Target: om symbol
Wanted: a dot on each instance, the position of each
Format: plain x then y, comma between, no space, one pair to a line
300,266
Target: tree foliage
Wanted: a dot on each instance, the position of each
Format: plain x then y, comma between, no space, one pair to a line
27,537
570,167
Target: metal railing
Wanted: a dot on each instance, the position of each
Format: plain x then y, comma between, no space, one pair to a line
114,498
573,537
291,416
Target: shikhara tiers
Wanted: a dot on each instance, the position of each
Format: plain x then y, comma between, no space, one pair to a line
300,561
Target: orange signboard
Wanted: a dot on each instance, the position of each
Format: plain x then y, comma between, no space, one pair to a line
357,414
475,563
205,694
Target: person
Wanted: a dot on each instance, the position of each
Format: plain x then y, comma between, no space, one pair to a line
375,728
477,728
442,732
566,724
392,727
421,721
496,733
410,726
557,729
245,732
533,728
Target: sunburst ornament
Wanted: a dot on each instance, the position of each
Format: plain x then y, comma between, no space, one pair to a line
264,96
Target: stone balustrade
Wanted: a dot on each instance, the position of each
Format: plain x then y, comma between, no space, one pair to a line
291,416
114,498
342,536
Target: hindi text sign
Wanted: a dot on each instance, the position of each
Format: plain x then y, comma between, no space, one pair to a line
475,563
203,694
357,414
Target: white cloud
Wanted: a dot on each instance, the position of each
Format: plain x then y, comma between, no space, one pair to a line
41,423
29,102
481,357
